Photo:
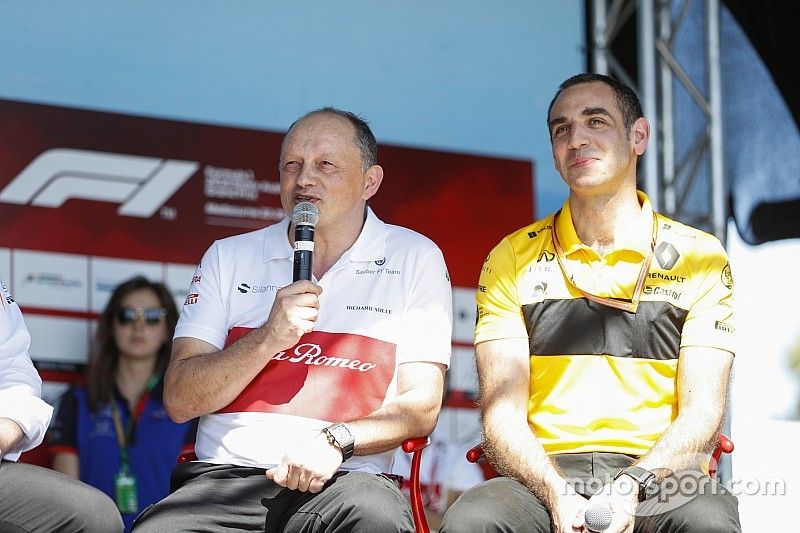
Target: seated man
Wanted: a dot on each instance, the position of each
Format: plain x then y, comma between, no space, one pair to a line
305,388
33,498
604,345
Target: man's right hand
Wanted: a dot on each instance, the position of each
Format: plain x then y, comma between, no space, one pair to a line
567,511
203,379
293,314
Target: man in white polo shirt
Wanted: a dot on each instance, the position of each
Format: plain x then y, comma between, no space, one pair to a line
305,388
33,498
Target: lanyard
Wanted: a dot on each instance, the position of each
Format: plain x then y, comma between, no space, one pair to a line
124,437
617,303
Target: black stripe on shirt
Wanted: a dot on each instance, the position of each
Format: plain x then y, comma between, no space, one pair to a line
582,327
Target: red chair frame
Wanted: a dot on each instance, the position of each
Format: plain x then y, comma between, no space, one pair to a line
724,445
413,446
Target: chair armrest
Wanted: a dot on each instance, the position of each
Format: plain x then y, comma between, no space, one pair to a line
724,445
186,457
415,444
475,453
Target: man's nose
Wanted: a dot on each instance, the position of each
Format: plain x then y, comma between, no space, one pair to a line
307,177
577,137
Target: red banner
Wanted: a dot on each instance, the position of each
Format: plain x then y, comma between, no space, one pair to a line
88,199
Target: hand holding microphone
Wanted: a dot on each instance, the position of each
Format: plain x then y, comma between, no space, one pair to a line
296,306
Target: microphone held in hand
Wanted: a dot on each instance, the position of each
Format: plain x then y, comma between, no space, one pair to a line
304,217
597,518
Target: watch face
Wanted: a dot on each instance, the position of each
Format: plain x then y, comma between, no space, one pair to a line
340,437
651,488
341,434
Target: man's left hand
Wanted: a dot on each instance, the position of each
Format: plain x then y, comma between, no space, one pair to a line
307,466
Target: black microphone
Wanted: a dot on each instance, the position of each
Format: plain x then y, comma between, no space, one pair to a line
597,518
304,217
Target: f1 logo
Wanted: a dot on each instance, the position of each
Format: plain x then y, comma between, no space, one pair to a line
140,184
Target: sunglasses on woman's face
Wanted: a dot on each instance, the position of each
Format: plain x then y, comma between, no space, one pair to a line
151,316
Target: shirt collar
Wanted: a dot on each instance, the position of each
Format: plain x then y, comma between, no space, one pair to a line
639,240
156,393
369,246
371,243
276,241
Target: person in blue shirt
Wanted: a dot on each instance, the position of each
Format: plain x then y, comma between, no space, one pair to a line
114,432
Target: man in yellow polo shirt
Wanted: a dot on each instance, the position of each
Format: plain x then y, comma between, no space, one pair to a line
604,344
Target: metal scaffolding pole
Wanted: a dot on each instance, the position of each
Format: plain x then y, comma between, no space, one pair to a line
688,187
718,188
645,22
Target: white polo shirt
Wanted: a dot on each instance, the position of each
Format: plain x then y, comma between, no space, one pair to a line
386,301
20,384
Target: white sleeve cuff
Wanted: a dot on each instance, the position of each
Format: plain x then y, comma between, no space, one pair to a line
32,415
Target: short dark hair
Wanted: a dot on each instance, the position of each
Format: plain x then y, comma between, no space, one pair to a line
364,139
627,100
102,369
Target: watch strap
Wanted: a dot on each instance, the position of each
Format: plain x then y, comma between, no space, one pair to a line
643,477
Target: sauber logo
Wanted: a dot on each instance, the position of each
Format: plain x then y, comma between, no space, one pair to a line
140,184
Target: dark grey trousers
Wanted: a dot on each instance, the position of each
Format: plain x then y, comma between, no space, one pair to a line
689,503
33,498
208,497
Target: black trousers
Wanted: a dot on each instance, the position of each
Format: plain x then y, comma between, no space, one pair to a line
690,502
209,497
33,498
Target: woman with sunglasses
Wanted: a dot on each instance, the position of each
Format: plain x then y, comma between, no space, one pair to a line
114,433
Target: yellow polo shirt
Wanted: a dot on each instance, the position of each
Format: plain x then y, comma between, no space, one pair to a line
604,379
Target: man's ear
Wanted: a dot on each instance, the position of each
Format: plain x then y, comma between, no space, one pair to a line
373,181
640,135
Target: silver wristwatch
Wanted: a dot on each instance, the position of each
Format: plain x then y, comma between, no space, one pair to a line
339,436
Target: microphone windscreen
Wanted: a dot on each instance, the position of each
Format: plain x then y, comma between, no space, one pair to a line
597,518
305,214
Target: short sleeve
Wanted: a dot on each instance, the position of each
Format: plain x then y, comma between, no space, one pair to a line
428,318
499,309
710,321
204,313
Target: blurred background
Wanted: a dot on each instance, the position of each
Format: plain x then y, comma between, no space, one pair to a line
134,134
